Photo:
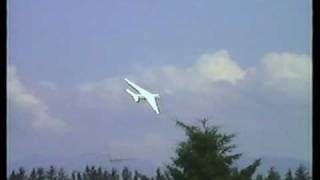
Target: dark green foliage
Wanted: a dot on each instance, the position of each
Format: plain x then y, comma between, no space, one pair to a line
136,175
207,154
73,175
288,175
89,173
40,174
79,177
126,174
114,174
21,174
33,175
302,173
259,177
12,176
159,175
62,175
51,173
94,173
273,175
247,172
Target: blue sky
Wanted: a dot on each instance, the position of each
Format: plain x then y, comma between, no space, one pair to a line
244,64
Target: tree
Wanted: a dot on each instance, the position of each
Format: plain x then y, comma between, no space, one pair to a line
259,177
248,171
302,173
12,176
136,175
288,175
73,175
79,176
273,175
21,174
33,175
51,173
87,174
100,173
106,174
62,175
40,174
93,173
159,175
126,174
114,174
207,154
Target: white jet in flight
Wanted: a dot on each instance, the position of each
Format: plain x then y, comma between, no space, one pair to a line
143,94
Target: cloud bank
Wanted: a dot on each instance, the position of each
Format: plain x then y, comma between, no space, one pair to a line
285,72
30,104
288,72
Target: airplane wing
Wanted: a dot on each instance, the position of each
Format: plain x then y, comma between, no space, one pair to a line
153,102
134,86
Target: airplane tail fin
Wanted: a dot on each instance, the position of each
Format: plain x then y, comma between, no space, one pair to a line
135,96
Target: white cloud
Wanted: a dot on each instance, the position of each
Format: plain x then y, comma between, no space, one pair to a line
287,66
207,70
198,78
287,72
210,77
219,67
30,104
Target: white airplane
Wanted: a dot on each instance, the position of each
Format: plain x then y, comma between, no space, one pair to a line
143,94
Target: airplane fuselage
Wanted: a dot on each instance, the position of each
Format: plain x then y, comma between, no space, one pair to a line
142,94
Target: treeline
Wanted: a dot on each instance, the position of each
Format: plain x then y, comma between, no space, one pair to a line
301,173
89,173
97,173
206,154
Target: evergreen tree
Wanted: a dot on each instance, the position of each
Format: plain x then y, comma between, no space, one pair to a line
40,174
100,173
79,177
13,176
136,175
273,175
106,175
259,177
93,173
73,175
21,174
288,175
302,173
51,173
143,177
159,176
247,172
33,175
114,174
62,175
126,174
206,155
86,173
